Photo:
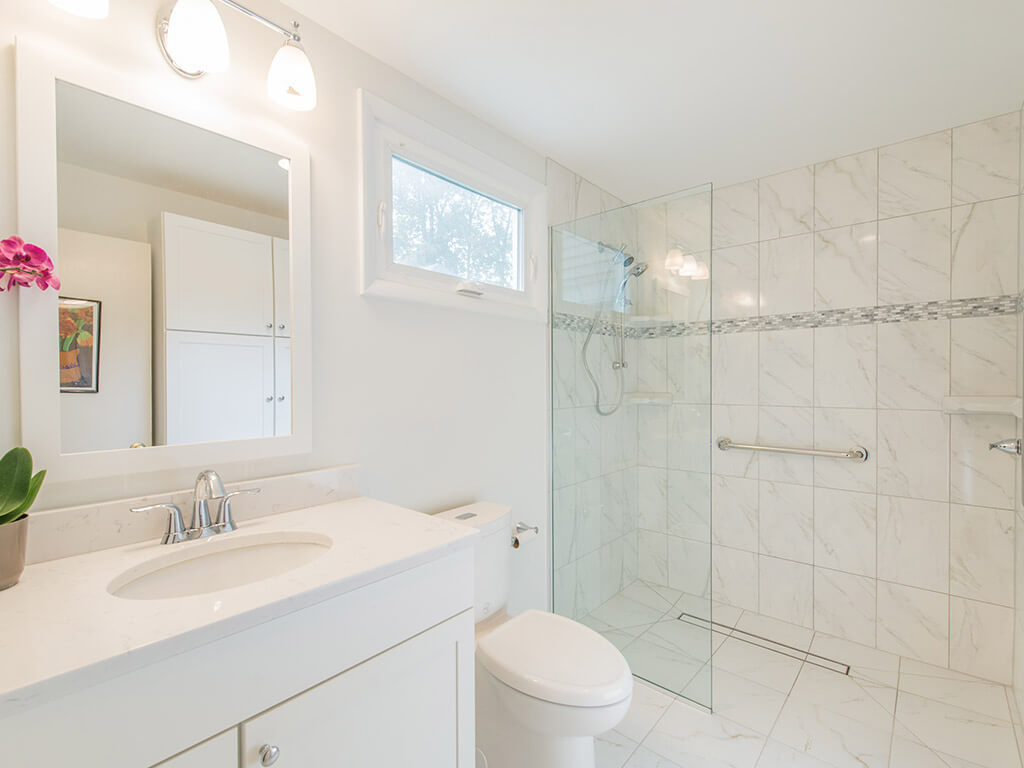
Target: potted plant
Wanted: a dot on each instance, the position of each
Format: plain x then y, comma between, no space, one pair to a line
18,490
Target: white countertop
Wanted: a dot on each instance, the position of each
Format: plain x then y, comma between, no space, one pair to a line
62,630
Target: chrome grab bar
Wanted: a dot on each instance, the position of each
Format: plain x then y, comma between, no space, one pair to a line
857,453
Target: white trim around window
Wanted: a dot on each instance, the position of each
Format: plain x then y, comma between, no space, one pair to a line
387,132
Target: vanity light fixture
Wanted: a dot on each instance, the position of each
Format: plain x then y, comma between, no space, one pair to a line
193,41
87,9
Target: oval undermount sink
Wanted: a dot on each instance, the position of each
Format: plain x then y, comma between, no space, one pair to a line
222,562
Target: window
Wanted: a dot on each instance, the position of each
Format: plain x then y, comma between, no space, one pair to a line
445,227
445,223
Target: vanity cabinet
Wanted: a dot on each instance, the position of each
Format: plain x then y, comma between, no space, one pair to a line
219,752
397,709
222,327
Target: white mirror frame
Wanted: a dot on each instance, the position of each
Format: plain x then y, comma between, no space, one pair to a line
38,68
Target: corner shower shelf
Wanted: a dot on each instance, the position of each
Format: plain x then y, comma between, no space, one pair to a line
1005,406
649,398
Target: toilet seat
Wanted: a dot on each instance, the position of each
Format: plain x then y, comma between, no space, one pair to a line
555,659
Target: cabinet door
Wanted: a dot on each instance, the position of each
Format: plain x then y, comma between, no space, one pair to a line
283,387
219,752
219,387
410,706
217,279
282,287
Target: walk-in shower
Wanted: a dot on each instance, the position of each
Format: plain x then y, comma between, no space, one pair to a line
631,423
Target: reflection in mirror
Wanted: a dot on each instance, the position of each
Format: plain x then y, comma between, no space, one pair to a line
179,236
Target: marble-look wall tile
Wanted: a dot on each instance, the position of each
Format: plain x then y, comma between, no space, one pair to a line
563,442
786,367
588,583
734,512
689,505
984,242
786,275
839,429
563,369
913,622
564,597
689,368
844,605
913,454
913,542
734,577
588,443
845,531
846,190
689,567
740,424
735,215
689,436
981,554
564,526
786,591
845,366
652,435
913,364
588,517
915,175
734,373
981,639
734,291
983,354
612,576
846,267
786,204
985,159
914,258
980,476
786,521
653,556
786,426
652,498
652,365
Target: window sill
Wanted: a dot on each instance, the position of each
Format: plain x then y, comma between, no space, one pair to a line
392,289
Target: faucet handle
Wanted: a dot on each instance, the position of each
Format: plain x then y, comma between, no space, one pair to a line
225,522
176,531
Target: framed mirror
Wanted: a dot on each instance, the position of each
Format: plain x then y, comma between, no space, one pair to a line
181,333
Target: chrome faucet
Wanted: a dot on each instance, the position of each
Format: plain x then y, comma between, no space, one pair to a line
209,487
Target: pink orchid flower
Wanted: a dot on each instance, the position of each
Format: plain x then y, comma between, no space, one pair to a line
24,263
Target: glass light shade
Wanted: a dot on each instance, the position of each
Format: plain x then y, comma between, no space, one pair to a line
196,38
291,82
87,9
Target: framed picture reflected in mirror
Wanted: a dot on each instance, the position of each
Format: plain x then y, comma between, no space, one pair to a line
79,338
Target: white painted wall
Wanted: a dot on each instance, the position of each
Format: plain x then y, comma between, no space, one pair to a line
439,407
117,273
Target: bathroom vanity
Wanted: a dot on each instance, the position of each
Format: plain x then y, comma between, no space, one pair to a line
365,631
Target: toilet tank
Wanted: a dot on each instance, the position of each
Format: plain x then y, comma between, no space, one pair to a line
492,553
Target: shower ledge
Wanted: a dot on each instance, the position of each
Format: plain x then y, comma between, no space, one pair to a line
1007,406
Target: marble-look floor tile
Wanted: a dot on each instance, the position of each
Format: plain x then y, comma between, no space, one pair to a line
655,596
757,625
645,758
831,737
841,695
866,663
768,668
745,702
627,615
961,733
612,749
690,737
646,709
908,752
778,755
954,688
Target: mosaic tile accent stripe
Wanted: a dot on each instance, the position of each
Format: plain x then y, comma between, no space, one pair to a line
894,313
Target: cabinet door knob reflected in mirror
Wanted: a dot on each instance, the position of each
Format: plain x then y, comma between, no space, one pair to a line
269,754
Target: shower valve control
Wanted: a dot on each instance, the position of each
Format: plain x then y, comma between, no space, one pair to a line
1012,446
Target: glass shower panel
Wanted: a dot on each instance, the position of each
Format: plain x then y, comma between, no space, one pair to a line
631,393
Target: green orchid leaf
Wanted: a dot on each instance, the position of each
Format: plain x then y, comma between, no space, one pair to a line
33,490
15,478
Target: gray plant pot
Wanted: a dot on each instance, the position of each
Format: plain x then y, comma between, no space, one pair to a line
13,538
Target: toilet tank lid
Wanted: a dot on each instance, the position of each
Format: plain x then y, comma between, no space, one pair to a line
485,515
556,659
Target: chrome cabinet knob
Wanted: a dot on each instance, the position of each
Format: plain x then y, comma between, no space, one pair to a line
269,754
270,398
280,398
270,325
281,326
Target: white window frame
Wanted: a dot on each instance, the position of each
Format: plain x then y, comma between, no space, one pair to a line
388,131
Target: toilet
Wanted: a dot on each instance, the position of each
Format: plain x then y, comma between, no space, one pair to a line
545,685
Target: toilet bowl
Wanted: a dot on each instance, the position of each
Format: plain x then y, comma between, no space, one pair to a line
545,685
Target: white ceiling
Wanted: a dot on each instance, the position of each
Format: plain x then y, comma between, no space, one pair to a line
120,139
645,97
